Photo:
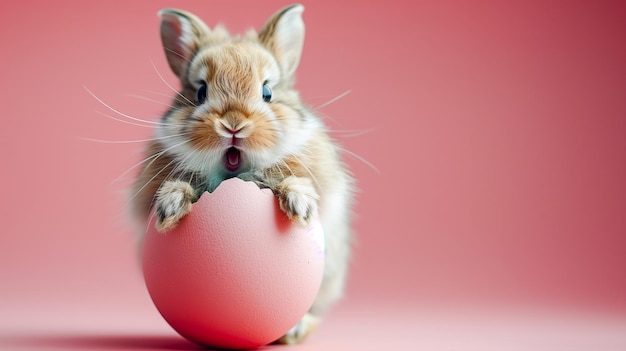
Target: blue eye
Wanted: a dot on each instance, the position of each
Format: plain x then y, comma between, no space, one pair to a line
201,93
267,93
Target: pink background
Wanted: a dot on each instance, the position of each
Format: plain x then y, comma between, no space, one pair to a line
498,130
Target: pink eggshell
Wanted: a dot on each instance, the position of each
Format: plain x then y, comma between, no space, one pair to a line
235,273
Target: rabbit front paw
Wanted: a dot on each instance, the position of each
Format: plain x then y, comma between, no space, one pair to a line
173,202
298,199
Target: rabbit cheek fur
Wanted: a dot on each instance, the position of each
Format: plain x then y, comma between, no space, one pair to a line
221,126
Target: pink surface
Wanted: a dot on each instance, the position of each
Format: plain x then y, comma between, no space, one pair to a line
497,129
235,273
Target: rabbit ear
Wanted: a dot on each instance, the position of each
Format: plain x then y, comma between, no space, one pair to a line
182,34
283,35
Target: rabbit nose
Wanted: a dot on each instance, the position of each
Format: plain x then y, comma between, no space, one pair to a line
233,131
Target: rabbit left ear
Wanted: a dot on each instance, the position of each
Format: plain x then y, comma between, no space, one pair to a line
182,34
283,35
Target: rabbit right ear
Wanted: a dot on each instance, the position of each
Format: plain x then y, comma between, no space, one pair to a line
182,34
283,35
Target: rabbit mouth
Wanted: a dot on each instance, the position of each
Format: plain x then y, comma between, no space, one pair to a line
232,159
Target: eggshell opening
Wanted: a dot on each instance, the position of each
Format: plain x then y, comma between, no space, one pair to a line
235,273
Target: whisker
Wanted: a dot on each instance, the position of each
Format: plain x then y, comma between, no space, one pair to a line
154,126
157,155
318,109
335,99
158,93
118,112
162,152
179,55
151,100
180,169
168,84
125,121
150,218
153,157
133,141
366,162
351,133
150,181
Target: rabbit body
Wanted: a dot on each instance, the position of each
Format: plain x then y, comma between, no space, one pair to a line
237,115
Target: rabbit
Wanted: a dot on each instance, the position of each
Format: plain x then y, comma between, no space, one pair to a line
238,115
